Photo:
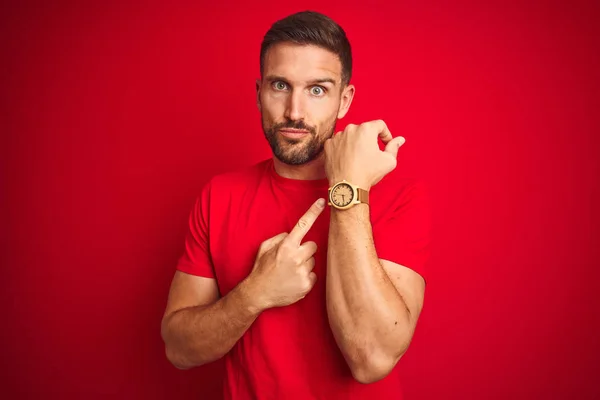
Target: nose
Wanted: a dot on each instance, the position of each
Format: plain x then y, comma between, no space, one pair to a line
294,109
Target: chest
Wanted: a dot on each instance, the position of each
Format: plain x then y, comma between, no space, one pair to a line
246,224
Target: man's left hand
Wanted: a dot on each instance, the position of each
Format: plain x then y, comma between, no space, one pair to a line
354,154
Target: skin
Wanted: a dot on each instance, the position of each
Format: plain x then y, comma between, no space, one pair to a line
301,88
199,327
373,305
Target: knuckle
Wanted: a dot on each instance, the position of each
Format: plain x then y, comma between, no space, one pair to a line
283,247
302,223
280,251
287,249
280,237
306,283
373,123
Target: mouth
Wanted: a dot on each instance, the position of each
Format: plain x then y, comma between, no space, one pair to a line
293,133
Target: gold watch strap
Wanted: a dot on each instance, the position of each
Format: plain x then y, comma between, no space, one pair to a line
363,195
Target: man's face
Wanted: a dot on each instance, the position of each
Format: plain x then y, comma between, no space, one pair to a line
301,97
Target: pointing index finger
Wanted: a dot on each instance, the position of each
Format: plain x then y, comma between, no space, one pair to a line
306,222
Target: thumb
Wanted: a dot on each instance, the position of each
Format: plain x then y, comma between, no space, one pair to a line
393,146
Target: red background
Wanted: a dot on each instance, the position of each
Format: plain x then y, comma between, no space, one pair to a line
113,116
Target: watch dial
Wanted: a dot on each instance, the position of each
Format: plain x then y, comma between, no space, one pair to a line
342,195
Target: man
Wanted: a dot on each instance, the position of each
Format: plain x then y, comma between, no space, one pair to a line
305,298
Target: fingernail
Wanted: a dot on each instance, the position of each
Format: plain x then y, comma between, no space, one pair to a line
321,202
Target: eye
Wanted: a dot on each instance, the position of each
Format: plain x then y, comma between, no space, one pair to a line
279,85
317,91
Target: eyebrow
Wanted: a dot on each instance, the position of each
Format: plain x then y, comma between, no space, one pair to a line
273,78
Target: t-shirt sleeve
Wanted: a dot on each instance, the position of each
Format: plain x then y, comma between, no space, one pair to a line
404,236
196,259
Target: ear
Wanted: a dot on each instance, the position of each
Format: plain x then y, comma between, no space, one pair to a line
258,84
347,96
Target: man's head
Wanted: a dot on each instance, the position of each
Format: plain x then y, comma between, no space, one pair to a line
305,66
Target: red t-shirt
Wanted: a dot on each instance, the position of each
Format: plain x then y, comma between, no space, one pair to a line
290,352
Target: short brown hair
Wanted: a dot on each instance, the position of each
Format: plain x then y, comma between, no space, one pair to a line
309,27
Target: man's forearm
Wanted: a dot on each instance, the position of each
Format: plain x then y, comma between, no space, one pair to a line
198,335
368,317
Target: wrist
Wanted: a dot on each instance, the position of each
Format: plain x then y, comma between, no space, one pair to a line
251,296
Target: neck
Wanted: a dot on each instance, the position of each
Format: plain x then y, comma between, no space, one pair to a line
311,170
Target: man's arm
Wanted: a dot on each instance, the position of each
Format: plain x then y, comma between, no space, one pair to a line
372,309
373,305
198,327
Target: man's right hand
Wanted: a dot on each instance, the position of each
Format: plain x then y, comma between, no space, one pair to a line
282,273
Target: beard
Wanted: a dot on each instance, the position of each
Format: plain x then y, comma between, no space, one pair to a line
297,151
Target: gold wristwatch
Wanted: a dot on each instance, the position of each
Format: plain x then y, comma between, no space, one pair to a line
344,195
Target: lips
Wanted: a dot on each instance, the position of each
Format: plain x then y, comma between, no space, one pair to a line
293,133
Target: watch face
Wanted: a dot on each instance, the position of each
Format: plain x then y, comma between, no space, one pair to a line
342,195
